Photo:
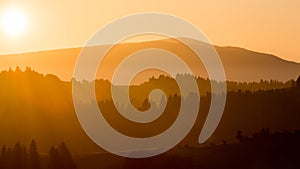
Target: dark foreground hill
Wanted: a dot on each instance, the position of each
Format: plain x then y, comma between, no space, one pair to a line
274,151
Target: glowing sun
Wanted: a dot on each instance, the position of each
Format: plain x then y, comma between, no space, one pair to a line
13,22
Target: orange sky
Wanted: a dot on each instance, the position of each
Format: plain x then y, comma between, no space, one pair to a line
270,26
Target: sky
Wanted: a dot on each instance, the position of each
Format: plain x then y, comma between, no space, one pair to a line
269,26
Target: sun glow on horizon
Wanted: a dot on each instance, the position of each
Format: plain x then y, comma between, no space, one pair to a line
13,22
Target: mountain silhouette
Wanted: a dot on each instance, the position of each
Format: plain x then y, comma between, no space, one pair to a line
240,65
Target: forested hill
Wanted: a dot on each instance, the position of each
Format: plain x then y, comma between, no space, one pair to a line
40,107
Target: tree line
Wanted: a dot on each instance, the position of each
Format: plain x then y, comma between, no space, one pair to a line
19,157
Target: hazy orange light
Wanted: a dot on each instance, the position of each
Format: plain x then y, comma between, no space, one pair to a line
13,22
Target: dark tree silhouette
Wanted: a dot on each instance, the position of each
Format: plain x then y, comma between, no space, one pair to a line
61,158
34,159
68,162
2,157
298,82
145,106
239,136
20,157
9,159
55,159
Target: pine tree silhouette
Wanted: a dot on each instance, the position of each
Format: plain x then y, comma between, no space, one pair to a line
2,157
34,159
61,158
20,157
298,82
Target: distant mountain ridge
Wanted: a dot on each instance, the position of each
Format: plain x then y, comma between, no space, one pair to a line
239,64
255,65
